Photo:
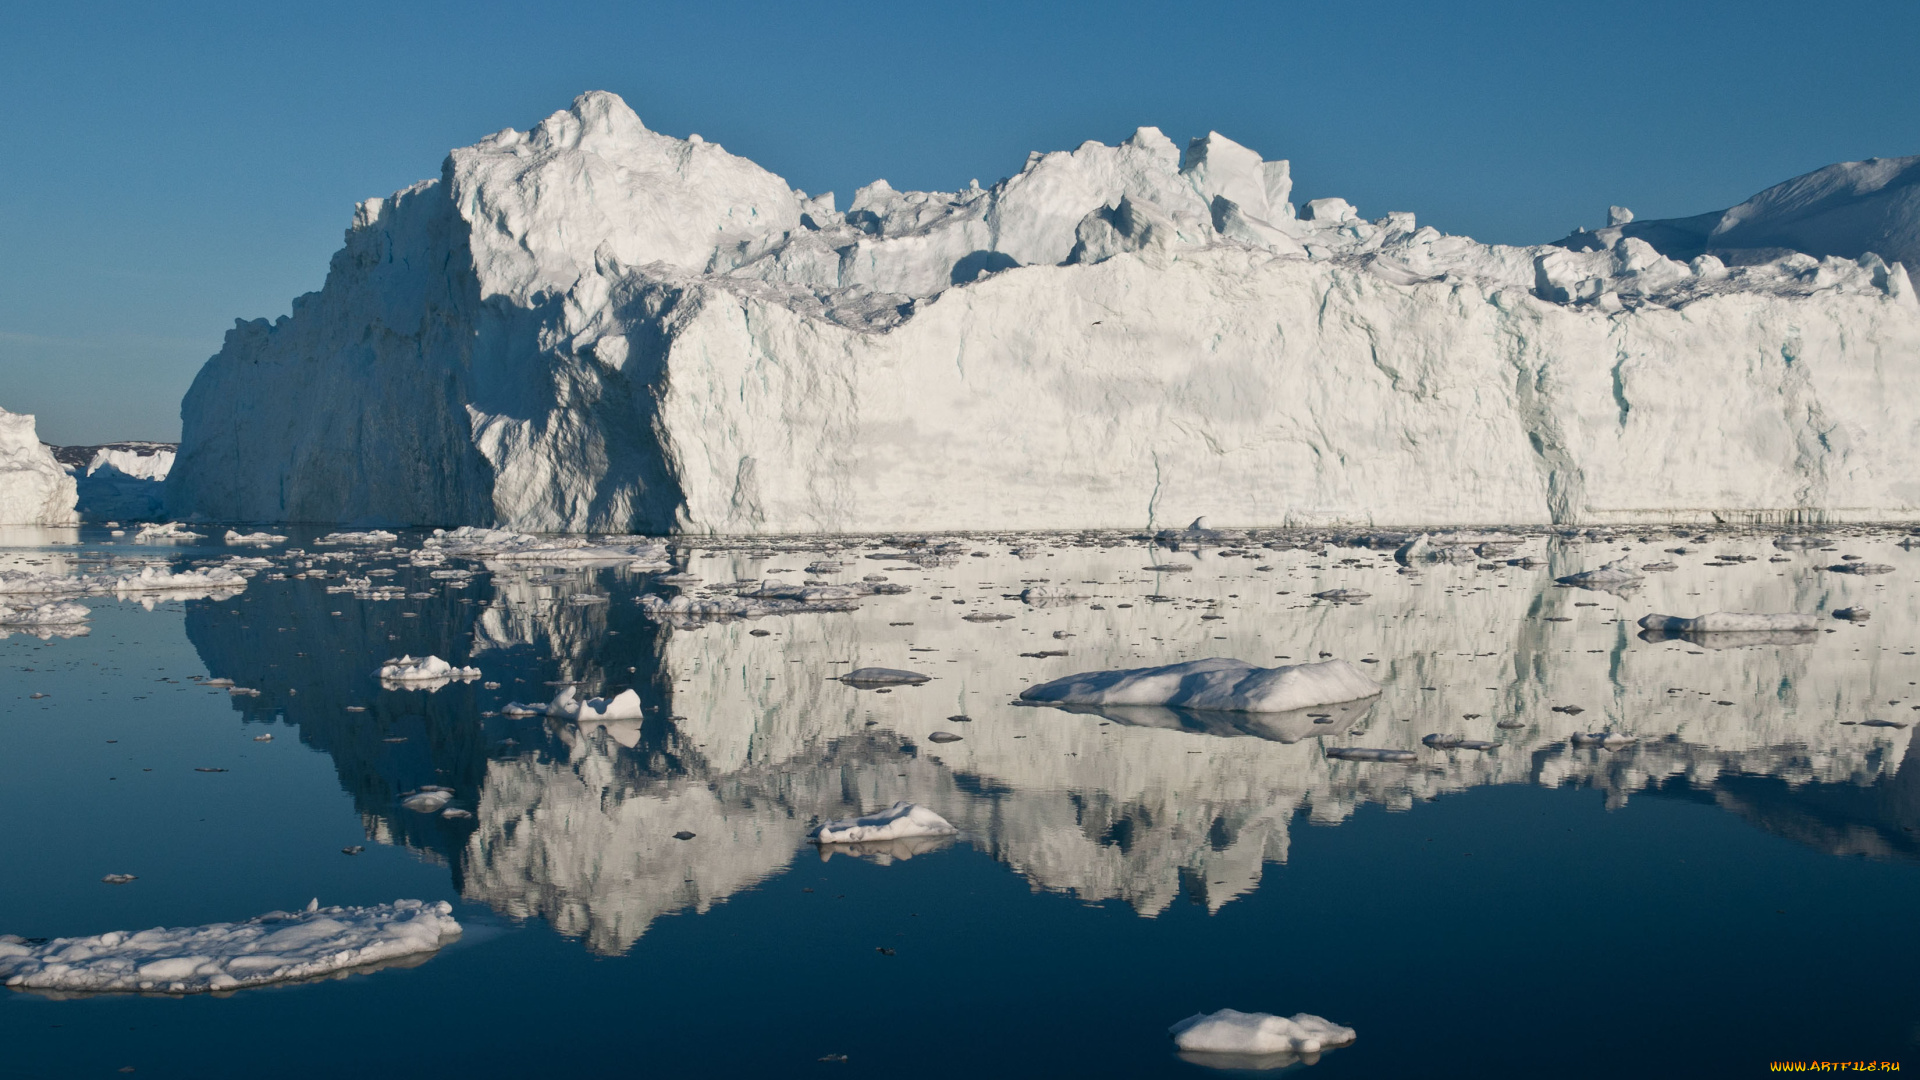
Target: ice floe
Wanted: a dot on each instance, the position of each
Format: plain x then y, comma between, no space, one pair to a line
280,946
898,822
424,673
166,531
1230,1031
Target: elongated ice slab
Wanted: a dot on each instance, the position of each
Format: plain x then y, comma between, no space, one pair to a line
1217,683
898,822
276,947
1230,1031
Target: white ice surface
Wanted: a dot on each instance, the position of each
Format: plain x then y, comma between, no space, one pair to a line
56,613
1217,683
1729,622
34,489
624,705
275,947
132,463
166,530
643,333
255,539
898,822
155,579
1230,1031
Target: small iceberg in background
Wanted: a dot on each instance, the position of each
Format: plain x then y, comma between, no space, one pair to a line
276,947
901,821
1230,1039
1222,684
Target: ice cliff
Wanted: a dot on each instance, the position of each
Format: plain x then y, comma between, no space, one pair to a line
592,326
34,489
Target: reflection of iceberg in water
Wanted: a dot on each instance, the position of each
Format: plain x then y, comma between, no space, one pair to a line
746,739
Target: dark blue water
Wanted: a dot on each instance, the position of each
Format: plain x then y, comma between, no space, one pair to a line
1740,907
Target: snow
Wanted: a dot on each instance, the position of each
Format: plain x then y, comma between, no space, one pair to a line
898,822
1730,622
643,333
34,489
1224,684
279,946
1230,1031
426,673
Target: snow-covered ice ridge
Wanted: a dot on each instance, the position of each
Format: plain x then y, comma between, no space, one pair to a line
592,326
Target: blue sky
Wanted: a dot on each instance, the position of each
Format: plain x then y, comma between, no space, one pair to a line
168,168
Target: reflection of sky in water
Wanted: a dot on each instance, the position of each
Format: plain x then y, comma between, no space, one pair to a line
1391,922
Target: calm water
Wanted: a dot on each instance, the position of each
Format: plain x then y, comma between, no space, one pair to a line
1739,886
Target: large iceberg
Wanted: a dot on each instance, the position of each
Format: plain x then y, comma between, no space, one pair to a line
34,489
591,326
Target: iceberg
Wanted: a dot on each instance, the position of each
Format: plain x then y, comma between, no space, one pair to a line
624,705
276,947
1218,683
591,326
901,821
34,489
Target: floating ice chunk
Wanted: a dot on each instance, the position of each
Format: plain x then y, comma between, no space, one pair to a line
1370,753
428,800
171,530
277,947
1727,622
31,583
1217,683
1232,1032
371,536
902,820
622,706
1041,595
55,613
255,539
1861,568
158,579
1343,596
880,676
426,673
1455,742
471,543
1610,740
1613,574
1853,614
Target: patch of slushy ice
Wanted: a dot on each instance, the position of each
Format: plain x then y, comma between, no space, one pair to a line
276,947
1217,683
898,822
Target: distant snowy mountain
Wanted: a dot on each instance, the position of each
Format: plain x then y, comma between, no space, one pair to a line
34,489
596,327
1848,210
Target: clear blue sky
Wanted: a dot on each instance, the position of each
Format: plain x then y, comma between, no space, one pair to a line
171,167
